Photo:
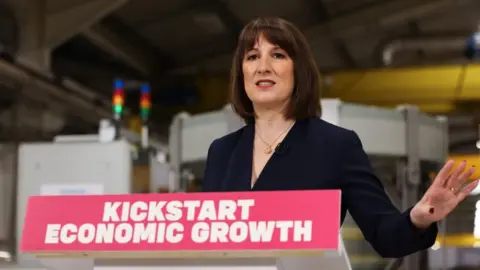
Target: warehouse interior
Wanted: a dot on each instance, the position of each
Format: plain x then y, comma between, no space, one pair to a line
60,58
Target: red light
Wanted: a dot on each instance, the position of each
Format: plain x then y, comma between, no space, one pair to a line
145,101
145,95
118,92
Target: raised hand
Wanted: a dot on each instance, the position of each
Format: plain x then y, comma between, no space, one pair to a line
446,192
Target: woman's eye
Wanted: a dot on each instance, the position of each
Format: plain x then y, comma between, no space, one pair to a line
279,56
252,57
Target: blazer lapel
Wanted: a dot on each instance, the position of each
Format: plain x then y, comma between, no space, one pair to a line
279,164
239,171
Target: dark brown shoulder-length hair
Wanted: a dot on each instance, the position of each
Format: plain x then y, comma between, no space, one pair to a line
305,100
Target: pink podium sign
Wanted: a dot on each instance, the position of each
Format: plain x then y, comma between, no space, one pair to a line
286,220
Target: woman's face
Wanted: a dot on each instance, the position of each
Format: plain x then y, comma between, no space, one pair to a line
268,74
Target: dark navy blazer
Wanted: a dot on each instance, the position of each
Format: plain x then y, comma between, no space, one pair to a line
318,155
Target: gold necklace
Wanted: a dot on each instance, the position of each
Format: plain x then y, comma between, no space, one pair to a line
269,149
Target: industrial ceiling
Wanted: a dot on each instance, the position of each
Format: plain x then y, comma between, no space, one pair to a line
164,40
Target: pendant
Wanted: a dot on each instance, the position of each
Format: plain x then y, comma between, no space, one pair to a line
268,150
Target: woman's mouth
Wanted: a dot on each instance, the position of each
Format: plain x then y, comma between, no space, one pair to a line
265,84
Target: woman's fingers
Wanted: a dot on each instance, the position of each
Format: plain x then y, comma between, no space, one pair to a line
443,175
452,179
467,190
457,182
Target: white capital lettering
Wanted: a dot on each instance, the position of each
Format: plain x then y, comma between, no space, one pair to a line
200,232
302,232
174,233
51,236
110,211
105,233
191,206
144,232
245,206
238,231
86,233
123,233
261,231
226,210
68,233
284,227
155,211
138,211
219,232
207,211
174,209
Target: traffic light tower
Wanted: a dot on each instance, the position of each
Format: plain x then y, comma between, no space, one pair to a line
145,106
118,105
118,99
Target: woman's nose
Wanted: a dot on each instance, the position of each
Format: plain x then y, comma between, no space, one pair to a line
264,66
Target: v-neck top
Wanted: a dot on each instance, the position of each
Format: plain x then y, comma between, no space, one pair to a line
319,155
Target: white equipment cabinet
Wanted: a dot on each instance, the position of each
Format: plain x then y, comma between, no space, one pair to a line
69,168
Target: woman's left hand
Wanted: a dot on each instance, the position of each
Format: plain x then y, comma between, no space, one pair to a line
445,193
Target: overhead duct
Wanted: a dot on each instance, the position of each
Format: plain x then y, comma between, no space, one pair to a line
453,43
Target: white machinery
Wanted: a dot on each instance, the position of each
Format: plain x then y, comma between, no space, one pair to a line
404,136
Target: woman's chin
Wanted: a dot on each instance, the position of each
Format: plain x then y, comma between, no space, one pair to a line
268,103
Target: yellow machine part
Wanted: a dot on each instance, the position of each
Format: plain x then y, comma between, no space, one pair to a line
134,124
472,160
458,240
434,89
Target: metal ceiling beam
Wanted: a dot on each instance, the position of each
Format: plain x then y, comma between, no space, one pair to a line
63,25
229,18
116,38
382,16
323,15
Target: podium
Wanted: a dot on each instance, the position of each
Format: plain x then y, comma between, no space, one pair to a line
284,230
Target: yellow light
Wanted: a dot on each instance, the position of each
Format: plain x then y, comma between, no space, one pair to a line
145,103
117,100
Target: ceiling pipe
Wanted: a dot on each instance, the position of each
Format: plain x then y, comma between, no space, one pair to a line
452,43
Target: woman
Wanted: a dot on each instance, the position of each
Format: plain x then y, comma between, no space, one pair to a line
285,146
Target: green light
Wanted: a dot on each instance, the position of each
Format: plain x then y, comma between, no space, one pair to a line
144,112
118,109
